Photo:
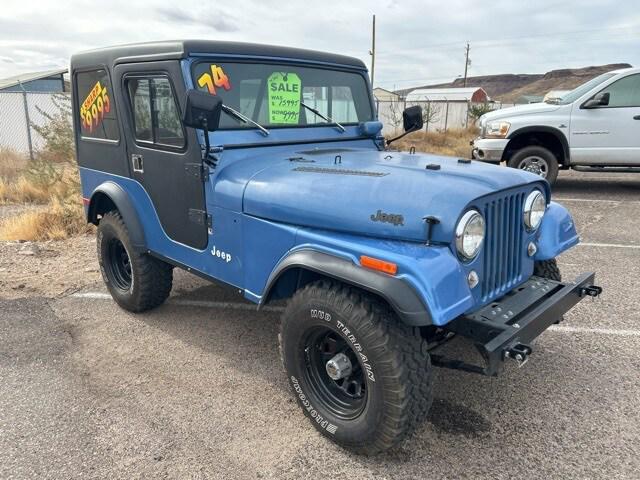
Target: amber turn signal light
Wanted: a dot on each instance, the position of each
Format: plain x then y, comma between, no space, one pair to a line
379,265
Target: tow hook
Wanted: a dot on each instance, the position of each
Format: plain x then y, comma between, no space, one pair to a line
590,291
520,353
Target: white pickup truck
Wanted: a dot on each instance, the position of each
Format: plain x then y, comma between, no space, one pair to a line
595,127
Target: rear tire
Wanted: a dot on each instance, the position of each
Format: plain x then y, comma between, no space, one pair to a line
387,387
538,160
136,281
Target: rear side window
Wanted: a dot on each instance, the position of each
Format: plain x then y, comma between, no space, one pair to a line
96,107
156,116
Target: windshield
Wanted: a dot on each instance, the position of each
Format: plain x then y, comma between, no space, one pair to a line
576,93
279,95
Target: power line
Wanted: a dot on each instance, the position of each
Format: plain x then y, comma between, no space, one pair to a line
500,41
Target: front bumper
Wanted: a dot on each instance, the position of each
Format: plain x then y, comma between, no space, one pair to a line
505,328
488,149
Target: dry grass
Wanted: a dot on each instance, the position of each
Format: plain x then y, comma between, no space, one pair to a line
11,163
57,222
454,143
40,184
43,183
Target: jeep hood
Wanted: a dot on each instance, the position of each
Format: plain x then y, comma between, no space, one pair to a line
367,192
519,110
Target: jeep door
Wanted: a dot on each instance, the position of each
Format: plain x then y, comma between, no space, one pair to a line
164,156
608,134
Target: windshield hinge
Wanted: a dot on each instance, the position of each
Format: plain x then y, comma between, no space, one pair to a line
213,156
197,170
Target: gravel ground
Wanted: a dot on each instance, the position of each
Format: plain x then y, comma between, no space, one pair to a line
185,391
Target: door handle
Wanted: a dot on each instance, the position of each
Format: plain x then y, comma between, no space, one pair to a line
637,117
138,165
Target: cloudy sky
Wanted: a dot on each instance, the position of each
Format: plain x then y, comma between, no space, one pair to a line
418,42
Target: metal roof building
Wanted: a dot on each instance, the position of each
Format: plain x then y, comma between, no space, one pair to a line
46,81
471,94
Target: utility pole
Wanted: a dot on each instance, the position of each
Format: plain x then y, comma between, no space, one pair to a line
372,52
466,63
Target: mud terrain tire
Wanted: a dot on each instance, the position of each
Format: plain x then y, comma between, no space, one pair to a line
391,368
136,281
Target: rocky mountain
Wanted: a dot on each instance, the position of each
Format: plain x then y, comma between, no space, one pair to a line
509,87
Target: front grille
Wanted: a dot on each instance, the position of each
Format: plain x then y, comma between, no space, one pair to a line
503,250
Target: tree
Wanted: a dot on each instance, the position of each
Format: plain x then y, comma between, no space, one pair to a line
57,131
393,113
430,113
476,110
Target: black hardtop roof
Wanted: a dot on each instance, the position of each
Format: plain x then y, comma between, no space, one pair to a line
178,49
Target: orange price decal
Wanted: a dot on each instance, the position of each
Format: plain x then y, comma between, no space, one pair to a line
94,106
215,78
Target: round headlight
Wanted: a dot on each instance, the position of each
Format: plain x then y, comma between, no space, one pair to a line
469,234
534,208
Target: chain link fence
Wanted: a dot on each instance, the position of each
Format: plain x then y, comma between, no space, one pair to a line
437,115
20,111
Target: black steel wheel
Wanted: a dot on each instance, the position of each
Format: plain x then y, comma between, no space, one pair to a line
362,377
119,264
345,393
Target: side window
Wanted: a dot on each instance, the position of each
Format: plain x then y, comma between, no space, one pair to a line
97,111
625,92
155,111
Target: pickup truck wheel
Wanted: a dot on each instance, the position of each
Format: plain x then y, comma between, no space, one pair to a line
536,160
136,281
362,377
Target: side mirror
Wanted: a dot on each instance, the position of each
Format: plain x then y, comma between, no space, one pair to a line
412,118
599,100
202,110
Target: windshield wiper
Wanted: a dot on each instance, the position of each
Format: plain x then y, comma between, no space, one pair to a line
244,119
326,119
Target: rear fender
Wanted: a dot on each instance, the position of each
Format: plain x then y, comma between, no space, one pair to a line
123,203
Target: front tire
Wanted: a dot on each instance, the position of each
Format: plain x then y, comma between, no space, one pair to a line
538,160
547,269
362,377
136,281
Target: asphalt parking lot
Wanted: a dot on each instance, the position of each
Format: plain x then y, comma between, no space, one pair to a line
195,388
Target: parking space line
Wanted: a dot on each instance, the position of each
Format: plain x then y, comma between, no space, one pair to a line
596,200
250,307
599,331
609,245
187,303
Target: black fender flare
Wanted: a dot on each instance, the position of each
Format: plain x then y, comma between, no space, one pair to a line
124,204
400,296
546,129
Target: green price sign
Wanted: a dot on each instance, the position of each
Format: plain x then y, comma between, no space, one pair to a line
285,90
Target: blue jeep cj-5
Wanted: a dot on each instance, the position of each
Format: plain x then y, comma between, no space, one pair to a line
264,168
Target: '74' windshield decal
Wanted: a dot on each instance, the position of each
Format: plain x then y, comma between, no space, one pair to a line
213,79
